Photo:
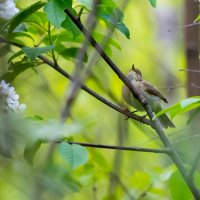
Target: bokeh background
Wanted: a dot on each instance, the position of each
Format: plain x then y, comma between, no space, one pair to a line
157,47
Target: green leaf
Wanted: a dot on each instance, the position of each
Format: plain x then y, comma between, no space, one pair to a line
122,27
21,16
181,107
15,55
33,52
17,68
31,150
189,101
55,11
71,27
38,18
153,3
172,110
74,154
114,17
21,34
72,53
178,188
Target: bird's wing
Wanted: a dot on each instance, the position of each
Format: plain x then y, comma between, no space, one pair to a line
151,90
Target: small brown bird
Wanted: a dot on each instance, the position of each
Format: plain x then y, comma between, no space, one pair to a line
152,95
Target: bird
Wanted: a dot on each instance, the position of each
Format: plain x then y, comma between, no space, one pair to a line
150,93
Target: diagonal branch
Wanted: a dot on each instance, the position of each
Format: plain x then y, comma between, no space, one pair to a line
156,125
84,87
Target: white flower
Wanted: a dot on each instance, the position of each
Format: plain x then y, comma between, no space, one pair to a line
9,99
7,9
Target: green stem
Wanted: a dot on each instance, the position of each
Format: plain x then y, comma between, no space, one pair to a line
51,43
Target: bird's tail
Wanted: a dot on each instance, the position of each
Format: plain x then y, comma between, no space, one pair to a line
165,121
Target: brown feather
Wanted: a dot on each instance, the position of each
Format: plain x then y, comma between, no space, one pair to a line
151,90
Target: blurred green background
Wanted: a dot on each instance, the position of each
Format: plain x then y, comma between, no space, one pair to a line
156,47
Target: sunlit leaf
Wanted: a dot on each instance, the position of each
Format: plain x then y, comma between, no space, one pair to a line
33,52
189,101
153,3
74,154
178,188
172,110
55,11
15,55
183,106
21,35
39,18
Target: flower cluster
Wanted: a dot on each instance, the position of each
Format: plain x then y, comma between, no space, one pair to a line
7,9
9,99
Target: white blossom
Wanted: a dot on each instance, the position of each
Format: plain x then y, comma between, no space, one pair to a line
9,99
7,9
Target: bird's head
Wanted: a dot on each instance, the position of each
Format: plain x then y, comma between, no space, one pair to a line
134,74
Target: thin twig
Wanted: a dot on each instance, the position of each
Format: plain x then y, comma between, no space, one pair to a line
122,148
190,70
185,26
189,25
195,85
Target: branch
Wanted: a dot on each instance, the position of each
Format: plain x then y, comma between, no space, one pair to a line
190,70
85,88
156,125
123,148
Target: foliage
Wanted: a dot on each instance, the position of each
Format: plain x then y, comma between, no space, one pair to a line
183,106
38,149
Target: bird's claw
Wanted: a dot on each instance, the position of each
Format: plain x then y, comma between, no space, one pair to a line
143,117
127,111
